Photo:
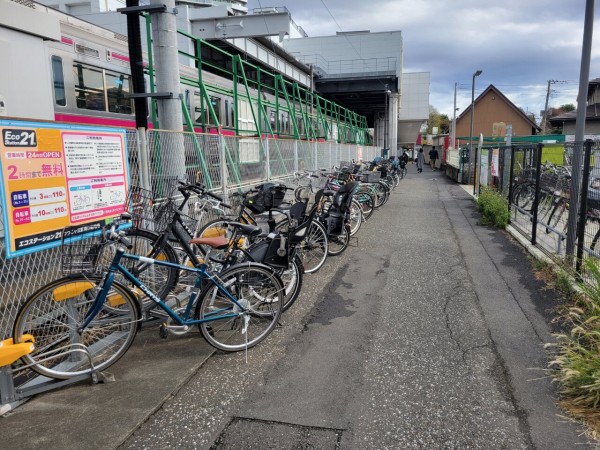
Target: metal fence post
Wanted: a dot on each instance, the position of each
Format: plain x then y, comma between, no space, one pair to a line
538,170
295,156
585,180
511,176
224,178
268,158
143,159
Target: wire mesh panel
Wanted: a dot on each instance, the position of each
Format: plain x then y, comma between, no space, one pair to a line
523,188
174,156
246,160
281,157
306,156
134,157
323,159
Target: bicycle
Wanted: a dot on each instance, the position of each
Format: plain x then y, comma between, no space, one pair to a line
234,310
312,250
161,230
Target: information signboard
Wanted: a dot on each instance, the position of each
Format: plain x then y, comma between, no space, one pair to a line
57,176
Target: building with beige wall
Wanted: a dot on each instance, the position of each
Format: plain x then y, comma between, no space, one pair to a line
493,112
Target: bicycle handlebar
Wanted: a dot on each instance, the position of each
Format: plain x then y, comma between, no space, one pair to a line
202,191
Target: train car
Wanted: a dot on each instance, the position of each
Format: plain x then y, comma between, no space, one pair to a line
87,79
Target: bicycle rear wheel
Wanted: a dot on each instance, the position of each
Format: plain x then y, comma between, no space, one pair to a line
54,314
232,327
338,243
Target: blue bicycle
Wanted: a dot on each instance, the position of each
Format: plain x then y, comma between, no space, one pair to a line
234,310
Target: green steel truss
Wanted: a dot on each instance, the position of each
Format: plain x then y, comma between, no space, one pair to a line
273,106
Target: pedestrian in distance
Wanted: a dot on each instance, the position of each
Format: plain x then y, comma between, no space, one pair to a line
433,156
395,163
404,158
420,161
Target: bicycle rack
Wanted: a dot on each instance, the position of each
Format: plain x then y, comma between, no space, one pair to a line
12,397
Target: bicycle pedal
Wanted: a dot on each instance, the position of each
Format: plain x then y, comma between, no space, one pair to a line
163,331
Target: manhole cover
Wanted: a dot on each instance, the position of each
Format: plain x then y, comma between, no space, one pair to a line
257,434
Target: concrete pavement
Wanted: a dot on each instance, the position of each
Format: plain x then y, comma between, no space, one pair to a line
427,333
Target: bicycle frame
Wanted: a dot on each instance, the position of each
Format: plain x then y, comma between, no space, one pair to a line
184,319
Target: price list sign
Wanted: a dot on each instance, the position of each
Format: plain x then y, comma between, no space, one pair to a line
58,176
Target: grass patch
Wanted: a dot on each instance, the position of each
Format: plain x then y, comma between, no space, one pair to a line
576,362
493,207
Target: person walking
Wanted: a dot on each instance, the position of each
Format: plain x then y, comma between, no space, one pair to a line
433,156
420,161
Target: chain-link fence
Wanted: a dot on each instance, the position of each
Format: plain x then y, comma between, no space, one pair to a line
157,160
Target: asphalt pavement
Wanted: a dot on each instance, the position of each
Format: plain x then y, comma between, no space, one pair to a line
427,333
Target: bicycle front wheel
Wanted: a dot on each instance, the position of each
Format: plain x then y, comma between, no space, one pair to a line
233,326
314,247
366,202
53,315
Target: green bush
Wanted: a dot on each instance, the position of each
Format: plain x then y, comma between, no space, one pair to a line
493,208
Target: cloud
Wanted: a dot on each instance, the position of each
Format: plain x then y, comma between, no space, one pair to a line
519,44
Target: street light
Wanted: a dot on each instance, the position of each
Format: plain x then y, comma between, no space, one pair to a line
476,74
385,124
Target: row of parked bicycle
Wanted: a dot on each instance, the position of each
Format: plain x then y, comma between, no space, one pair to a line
231,277
553,200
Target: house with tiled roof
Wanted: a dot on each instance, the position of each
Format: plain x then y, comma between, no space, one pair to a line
492,114
566,121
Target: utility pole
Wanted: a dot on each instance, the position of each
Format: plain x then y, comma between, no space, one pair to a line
584,77
453,143
546,105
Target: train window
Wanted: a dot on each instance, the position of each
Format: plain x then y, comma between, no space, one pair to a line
59,81
215,102
118,87
89,87
227,113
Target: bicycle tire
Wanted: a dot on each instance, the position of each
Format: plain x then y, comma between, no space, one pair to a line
595,240
557,214
338,243
525,195
53,314
160,279
382,194
366,203
295,275
355,217
314,248
260,293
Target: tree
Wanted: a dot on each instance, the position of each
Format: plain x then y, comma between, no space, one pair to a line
567,108
441,121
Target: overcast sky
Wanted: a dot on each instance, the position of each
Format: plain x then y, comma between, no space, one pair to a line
518,44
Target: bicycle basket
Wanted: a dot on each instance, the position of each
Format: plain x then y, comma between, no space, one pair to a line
79,255
370,177
268,196
149,212
256,202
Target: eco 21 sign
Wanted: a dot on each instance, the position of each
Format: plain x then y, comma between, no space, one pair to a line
58,176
